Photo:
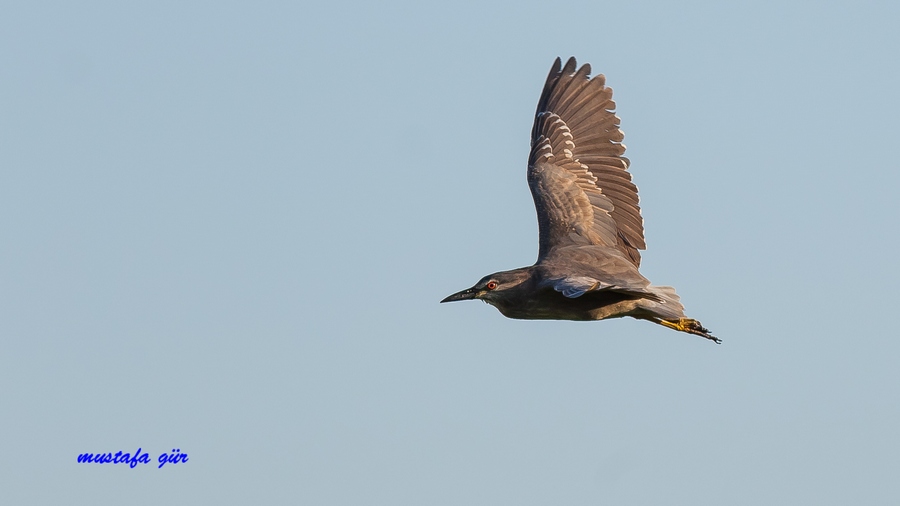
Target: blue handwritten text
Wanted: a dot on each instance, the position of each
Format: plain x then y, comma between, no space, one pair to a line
133,459
175,457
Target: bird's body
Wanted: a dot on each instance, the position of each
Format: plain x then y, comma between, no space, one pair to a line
590,227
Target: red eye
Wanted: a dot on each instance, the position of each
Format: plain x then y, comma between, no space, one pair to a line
492,285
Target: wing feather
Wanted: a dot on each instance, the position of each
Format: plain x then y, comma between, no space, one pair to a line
577,172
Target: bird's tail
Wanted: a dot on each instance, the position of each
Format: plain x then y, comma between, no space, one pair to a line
669,304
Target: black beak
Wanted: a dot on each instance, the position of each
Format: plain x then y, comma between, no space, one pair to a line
467,294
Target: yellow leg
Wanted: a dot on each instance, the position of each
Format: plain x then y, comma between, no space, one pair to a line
690,326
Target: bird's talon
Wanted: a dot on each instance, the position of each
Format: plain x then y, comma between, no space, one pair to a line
690,326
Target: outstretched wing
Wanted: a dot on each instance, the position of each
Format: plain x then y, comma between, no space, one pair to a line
578,177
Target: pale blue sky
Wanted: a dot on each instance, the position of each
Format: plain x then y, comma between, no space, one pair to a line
226,228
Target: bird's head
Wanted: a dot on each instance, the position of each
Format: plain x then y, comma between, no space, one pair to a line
494,287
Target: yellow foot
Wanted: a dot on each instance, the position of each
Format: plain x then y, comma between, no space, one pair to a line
690,326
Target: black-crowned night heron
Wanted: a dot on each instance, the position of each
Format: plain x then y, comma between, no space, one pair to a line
589,222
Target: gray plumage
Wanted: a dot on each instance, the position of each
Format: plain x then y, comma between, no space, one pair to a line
589,221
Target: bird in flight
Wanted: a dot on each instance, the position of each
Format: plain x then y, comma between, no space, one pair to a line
589,221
